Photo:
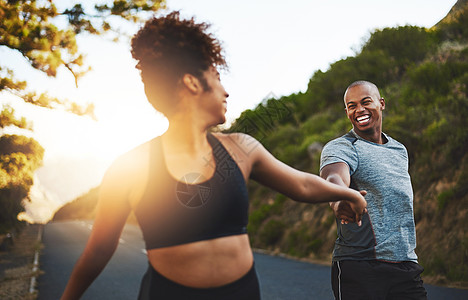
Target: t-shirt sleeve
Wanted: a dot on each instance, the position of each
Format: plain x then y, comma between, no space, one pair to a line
339,150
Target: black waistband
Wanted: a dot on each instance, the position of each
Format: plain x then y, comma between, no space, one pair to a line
157,286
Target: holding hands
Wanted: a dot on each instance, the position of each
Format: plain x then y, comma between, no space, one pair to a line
350,211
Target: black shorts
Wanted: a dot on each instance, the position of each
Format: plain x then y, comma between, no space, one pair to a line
375,280
156,286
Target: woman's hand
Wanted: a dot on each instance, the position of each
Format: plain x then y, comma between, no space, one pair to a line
351,211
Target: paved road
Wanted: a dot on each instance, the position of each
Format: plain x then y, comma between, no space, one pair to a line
64,242
280,278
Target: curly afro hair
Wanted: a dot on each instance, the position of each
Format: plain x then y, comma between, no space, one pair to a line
168,47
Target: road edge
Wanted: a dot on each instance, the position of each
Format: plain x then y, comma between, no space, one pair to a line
32,285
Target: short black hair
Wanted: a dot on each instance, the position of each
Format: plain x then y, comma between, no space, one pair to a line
363,82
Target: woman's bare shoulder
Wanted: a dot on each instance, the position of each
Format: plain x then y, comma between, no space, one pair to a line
132,164
238,139
127,176
243,148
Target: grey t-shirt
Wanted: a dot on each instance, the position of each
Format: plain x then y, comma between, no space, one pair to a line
388,231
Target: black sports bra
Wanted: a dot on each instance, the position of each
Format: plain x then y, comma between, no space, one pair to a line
174,212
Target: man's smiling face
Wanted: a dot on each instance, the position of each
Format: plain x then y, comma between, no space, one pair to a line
364,108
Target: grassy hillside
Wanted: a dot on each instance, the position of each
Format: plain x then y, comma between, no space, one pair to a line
82,208
423,75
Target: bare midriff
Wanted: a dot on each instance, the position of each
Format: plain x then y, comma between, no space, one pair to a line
204,264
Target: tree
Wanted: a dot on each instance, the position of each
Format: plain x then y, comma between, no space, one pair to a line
31,28
20,156
46,37
406,45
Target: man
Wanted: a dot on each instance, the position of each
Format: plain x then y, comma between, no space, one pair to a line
377,259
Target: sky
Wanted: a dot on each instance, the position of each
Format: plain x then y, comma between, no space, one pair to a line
273,48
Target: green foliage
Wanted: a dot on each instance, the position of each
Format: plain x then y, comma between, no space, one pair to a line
264,211
19,158
455,25
82,207
271,232
301,241
257,217
28,27
10,209
437,264
406,45
31,29
262,121
8,82
7,118
444,197
283,141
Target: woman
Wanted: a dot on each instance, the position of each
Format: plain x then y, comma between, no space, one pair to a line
187,188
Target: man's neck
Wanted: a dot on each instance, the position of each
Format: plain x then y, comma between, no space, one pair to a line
376,136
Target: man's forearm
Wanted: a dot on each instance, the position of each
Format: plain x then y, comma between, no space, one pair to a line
336,180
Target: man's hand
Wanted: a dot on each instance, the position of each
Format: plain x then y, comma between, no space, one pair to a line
346,211
349,212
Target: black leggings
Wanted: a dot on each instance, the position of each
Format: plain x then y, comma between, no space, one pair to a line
373,279
155,286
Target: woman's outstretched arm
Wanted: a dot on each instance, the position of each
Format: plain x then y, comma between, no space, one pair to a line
298,185
112,211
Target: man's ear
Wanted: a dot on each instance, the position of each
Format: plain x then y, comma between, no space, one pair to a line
382,103
191,83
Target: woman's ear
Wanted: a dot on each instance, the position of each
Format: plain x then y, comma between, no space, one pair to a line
191,83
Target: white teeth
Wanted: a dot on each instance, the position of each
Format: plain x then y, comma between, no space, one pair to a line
362,119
